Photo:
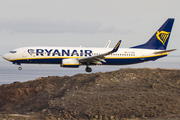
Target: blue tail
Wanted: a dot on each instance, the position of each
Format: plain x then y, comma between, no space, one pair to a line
160,39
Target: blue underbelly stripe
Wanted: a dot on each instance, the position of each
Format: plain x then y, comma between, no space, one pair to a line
117,61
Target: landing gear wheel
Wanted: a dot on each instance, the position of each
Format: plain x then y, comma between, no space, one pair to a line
20,68
88,69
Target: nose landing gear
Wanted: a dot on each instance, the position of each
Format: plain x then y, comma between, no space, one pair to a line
20,68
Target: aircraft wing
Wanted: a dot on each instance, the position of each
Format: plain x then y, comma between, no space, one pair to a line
164,51
98,58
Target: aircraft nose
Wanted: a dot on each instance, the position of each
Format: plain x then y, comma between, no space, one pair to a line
6,56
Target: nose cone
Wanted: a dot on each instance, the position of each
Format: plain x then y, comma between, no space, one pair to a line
6,56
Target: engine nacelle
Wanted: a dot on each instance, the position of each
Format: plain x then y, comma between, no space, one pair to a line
72,63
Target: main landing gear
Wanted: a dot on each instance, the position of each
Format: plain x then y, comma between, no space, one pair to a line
88,69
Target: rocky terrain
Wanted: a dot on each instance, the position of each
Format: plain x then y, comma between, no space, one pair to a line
123,94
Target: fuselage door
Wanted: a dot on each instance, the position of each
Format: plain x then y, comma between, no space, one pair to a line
142,55
24,53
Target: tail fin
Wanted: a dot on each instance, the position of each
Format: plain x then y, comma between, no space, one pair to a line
160,39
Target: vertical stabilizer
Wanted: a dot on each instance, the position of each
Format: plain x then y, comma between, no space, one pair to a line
160,39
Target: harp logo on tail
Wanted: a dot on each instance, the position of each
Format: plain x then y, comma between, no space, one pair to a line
162,36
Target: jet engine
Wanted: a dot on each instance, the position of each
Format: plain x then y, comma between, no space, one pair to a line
71,63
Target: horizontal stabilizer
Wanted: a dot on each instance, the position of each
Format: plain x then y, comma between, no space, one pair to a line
164,51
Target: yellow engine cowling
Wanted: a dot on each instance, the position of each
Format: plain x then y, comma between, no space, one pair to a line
71,63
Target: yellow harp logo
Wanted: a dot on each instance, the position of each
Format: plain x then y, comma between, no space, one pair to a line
162,36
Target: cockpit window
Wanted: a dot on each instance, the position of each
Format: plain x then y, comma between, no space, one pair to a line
12,52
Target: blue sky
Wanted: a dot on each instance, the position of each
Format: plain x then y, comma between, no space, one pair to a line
85,22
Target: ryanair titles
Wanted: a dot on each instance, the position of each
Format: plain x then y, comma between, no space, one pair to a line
57,52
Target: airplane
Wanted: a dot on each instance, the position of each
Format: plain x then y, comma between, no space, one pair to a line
73,57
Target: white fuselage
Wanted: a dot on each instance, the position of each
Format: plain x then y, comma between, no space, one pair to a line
54,55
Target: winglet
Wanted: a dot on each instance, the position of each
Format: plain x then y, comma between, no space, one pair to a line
116,47
107,45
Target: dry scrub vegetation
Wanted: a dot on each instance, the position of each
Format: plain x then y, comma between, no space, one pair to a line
126,93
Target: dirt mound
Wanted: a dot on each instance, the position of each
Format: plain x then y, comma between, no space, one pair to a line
126,93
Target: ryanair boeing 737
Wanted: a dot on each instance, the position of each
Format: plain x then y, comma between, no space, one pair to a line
73,57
